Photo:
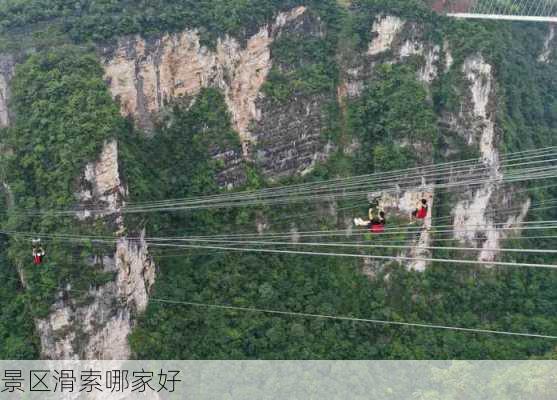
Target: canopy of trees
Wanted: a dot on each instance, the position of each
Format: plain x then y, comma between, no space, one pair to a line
64,113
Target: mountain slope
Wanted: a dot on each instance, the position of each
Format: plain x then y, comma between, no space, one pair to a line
199,101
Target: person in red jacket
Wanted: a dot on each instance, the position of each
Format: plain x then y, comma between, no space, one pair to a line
38,252
422,210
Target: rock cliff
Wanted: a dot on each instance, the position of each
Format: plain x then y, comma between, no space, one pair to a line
474,221
7,65
145,75
98,327
548,45
396,41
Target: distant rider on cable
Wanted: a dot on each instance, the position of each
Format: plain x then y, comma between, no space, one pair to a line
38,252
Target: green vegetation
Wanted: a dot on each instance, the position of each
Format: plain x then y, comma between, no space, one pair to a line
103,20
302,68
392,109
443,295
308,66
16,326
530,94
180,161
64,114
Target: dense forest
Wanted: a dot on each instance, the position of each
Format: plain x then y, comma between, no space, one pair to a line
64,113
83,21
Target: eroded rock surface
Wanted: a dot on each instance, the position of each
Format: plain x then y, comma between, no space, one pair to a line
548,46
385,30
7,65
96,324
145,74
474,222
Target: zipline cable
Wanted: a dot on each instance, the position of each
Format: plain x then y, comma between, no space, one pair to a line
335,190
354,245
550,224
226,199
326,316
388,175
363,256
527,226
352,319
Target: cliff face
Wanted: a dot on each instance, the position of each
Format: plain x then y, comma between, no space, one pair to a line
98,327
474,219
397,41
101,186
394,41
548,46
7,65
477,123
285,139
288,136
402,204
145,75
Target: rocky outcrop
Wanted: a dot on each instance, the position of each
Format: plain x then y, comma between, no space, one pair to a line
231,172
145,74
449,60
430,53
7,65
96,324
385,30
548,46
101,188
401,205
474,224
477,124
475,214
394,41
8,195
289,138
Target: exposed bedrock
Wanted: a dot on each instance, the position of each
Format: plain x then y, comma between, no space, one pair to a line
7,65
145,75
475,213
548,46
97,325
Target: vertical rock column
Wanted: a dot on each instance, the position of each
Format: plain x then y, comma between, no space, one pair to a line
99,328
7,65
474,222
